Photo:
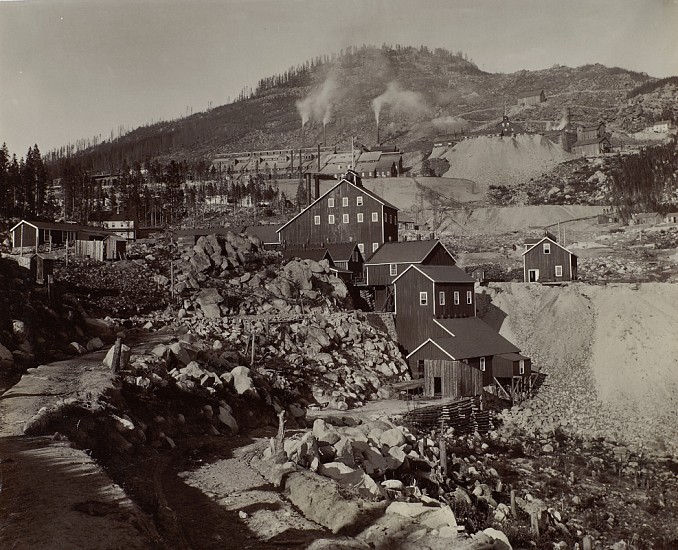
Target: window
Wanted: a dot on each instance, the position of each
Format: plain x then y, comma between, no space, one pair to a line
441,298
420,368
482,364
361,247
330,202
456,298
359,200
316,220
393,269
360,217
375,216
344,201
423,298
469,296
547,248
330,219
375,246
559,271
344,218
521,367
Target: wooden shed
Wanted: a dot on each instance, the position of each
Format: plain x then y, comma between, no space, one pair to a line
115,247
548,262
41,266
451,379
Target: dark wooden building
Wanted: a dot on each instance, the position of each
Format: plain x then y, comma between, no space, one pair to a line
348,212
392,259
446,378
547,262
347,256
592,147
424,293
470,340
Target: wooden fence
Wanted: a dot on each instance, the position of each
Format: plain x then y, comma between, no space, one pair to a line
90,249
464,415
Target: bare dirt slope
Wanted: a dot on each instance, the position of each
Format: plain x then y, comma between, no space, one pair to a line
498,161
609,353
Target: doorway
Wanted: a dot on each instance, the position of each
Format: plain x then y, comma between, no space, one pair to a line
437,385
532,275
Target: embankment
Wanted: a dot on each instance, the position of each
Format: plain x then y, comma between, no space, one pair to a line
609,352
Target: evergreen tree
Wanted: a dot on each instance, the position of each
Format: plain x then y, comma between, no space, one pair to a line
5,191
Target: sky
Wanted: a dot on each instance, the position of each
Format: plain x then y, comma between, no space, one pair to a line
73,69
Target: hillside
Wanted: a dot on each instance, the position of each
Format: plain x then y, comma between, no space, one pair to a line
417,94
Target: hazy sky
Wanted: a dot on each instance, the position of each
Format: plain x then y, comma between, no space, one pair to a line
76,68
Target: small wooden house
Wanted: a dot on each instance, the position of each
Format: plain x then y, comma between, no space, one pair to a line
671,217
531,97
592,147
424,293
40,265
548,262
447,378
347,257
470,340
115,247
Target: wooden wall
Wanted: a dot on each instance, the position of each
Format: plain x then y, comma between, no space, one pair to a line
303,230
381,274
413,321
457,378
546,263
449,309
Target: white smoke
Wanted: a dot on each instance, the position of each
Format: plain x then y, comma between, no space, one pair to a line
564,120
450,124
399,101
318,104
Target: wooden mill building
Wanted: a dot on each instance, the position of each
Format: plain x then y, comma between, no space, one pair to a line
545,261
532,97
392,259
424,293
348,212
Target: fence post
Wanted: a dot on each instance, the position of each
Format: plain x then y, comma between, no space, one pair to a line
117,348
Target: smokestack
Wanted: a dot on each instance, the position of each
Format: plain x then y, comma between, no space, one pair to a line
318,158
377,132
317,186
307,175
324,135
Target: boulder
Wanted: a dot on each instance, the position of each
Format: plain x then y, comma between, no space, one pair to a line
392,438
20,330
344,475
242,382
442,517
208,297
325,433
211,311
77,348
6,358
395,459
344,452
125,353
225,417
95,344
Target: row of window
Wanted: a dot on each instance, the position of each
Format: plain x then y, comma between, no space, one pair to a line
344,201
423,298
345,218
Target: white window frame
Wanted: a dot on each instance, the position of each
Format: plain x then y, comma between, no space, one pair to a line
359,200
423,298
469,297
375,246
521,366
546,248
344,201
483,364
393,269
375,216
361,247
360,217
330,219
441,298
316,220
344,218
559,271
456,298
330,202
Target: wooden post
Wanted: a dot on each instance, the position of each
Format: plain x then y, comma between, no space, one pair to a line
252,350
115,364
281,431
587,542
172,281
514,509
534,524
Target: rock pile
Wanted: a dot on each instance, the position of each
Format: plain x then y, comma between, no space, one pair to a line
232,275
337,360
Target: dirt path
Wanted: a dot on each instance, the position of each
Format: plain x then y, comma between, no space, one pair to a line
52,495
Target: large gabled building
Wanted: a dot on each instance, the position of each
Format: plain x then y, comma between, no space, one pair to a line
348,212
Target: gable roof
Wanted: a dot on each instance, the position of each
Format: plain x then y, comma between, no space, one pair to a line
440,273
61,227
404,252
342,252
471,337
531,93
321,197
551,241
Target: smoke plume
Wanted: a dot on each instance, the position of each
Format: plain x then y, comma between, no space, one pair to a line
318,104
450,124
399,101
